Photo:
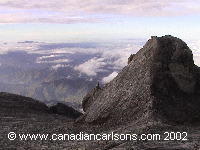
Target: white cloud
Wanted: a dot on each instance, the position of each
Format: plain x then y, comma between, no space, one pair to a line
55,67
197,60
48,56
10,47
72,11
195,47
91,67
115,56
120,54
53,61
110,77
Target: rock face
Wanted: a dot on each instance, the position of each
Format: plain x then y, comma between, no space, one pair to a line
88,99
160,82
65,110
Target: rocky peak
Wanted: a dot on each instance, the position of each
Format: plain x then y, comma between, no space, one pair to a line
160,82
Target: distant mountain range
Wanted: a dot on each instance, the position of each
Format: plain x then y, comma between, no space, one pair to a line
20,74
59,72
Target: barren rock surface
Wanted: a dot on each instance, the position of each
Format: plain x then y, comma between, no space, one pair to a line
157,92
160,82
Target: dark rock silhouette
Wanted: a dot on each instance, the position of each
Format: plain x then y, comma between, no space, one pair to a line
130,58
12,104
160,82
65,110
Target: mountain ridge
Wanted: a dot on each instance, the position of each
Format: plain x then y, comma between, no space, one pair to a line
141,90
12,103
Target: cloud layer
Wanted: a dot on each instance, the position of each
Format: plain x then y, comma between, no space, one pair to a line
102,61
91,67
76,11
109,78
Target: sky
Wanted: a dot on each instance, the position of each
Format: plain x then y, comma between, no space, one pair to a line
97,20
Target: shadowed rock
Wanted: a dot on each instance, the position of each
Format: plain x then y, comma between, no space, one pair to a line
65,110
16,104
88,99
12,103
130,58
160,82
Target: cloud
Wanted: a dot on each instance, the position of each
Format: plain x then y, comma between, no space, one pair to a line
49,56
20,15
197,60
10,47
118,59
195,47
110,77
76,11
48,59
103,57
55,67
53,61
110,57
91,67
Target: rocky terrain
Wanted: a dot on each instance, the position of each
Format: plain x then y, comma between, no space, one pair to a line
158,91
65,110
160,83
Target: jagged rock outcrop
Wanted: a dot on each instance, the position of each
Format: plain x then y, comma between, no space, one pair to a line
130,58
65,110
160,82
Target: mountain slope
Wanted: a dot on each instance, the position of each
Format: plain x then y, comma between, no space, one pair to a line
161,82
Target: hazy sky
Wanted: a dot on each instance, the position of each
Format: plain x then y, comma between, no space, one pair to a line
92,20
